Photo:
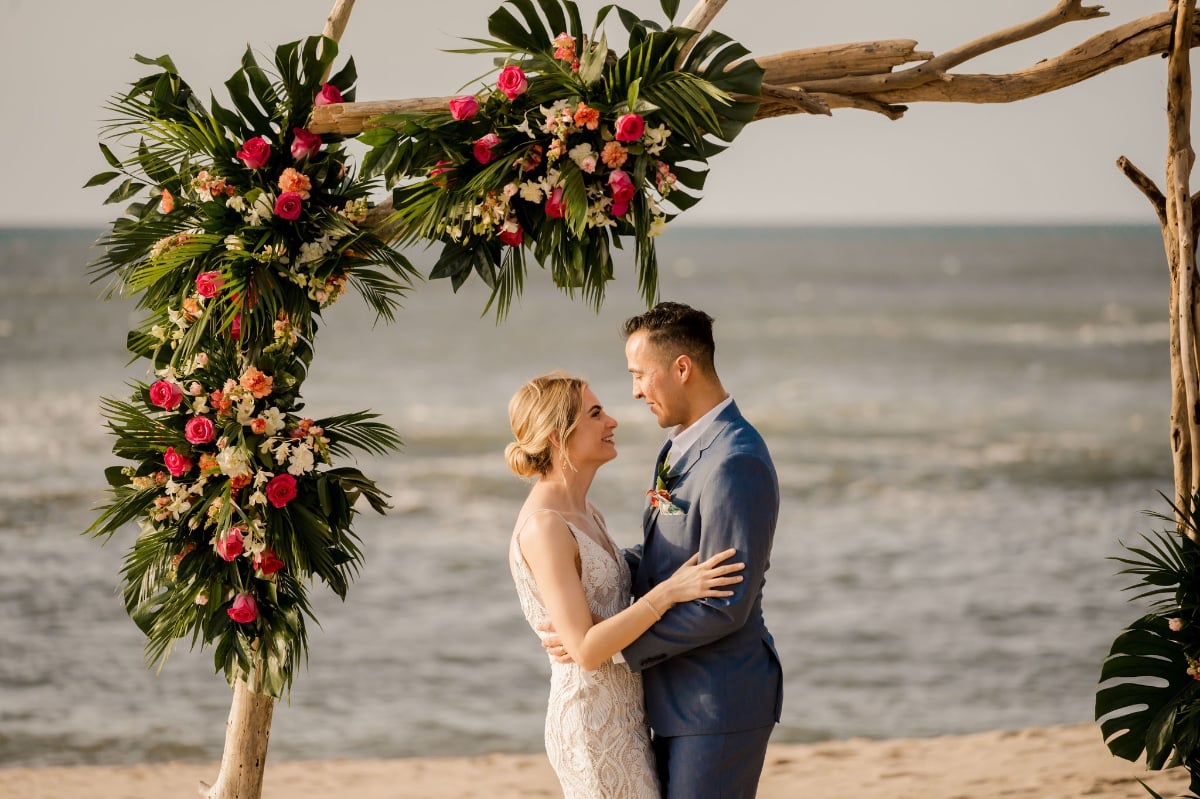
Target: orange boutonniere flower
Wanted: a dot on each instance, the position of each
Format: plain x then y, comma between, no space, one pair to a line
660,497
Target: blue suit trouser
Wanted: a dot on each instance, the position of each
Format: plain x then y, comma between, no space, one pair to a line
725,766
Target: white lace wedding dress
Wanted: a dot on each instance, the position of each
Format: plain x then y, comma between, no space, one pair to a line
596,735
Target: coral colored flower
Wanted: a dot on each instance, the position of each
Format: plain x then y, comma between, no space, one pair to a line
238,481
258,425
177,463
208,464
512,238
268,563
288,206
614,155
564,47
281,490
166,203
512,81
630,127
191,309
166,395
483,148
230,545
256,382
244,609
199,430
304,143
255,153
586,117
293,180
1176,624
208,284
554,204
328,95
464,107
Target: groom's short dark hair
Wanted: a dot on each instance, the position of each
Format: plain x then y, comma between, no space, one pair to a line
677,329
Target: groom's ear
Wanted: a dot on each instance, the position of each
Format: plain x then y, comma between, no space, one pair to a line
683,368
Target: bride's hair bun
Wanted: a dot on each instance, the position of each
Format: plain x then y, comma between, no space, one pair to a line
542,411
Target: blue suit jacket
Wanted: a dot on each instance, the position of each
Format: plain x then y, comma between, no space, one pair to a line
710,666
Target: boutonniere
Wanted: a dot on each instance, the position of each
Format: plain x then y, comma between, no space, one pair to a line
659,496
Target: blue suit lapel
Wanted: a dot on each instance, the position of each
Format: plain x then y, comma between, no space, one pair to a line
690,458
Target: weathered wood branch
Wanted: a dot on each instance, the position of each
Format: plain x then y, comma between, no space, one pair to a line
699,18
335,25
1135,40
840,60
1146,186
809,69
934,68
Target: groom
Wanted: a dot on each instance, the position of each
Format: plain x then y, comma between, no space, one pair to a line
712,678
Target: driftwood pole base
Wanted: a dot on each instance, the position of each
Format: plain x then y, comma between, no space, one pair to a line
247,733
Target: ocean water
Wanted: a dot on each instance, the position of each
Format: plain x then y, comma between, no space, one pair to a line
965,421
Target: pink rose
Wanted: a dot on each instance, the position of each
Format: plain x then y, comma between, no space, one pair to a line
328,95
554,204
232,544
483,148
630,127
177,463
268,563
289,205
199,430
621,186
464,107
255,153
166,395
512,81
281,490
512,238
244,609
235,327
208,284
304,144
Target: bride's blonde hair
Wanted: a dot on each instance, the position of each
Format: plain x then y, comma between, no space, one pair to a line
544,408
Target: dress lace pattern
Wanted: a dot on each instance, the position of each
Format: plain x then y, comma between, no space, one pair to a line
596,734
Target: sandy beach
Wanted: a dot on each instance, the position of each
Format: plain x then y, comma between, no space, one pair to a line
1047,762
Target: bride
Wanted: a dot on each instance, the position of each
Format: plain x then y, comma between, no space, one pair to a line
570,574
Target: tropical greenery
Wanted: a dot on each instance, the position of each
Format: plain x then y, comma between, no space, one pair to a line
1148,699
243,227
571,150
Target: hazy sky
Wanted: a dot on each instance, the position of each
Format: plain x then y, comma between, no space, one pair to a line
1049,159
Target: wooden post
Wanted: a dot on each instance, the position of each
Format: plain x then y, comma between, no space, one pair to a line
1177,214
247,733
1180,158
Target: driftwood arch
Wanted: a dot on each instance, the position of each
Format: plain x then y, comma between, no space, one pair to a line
884,77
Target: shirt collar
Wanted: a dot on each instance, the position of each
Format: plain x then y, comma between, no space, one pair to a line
683,439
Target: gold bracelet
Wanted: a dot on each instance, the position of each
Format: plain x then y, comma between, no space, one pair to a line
654,610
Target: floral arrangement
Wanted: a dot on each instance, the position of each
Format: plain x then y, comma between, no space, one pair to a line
245,227
1148,699
570,149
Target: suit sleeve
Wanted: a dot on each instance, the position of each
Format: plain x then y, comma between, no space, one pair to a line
738,505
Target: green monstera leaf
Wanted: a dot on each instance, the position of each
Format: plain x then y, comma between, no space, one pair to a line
1145,694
